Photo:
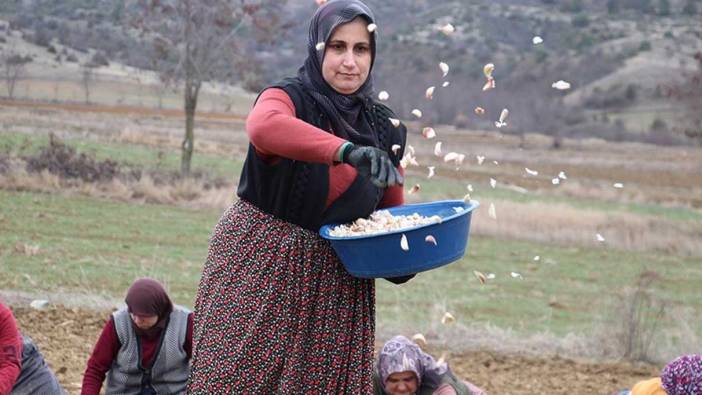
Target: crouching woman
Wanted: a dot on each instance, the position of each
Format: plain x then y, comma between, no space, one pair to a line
145,348
404,369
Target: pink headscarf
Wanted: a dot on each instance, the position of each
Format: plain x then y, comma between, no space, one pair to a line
400,354
683,376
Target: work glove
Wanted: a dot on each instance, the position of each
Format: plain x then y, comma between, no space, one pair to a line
375,164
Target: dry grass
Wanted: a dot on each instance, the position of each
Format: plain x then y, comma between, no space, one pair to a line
182,192
563,224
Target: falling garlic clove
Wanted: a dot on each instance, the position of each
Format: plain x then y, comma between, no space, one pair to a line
445,84
395,148
429,93
488,69
503,115
451,156
395,122
431,171
417,113
448,319
599,238
490,84
493,182
437,148
480,159
414,189
383,95
531,172
618,185
562,175
480,276
403,243
556,181
419,338
479,111
492,212
447,29
320,46
469,187
537,40
428,133
430,239
371,27
516,275
444,68
466,198
561,85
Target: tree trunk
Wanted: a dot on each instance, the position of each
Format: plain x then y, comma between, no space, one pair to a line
192,85
189,139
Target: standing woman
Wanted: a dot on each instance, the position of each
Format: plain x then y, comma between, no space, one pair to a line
276,312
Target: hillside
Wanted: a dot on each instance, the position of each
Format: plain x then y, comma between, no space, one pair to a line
619,57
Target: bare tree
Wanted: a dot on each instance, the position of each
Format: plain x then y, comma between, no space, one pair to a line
87,78
14,69
689,92
201,38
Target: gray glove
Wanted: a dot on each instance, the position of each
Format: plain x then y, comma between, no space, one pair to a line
374,163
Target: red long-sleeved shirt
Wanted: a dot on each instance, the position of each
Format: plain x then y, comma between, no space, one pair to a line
10,350
276,132
106,350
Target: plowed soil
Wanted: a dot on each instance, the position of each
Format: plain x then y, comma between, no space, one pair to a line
66,337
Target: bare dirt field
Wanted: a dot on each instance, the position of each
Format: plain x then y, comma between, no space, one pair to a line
66,337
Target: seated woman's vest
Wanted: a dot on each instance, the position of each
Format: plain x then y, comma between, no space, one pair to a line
35,376
169,371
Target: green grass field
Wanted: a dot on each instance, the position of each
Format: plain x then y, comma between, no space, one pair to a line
99,246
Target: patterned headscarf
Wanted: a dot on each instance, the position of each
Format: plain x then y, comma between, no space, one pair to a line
344,111
683,376
400,354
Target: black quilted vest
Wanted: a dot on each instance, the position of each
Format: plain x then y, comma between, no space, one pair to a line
296,191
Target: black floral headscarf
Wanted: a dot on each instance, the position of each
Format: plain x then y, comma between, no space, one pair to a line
344,111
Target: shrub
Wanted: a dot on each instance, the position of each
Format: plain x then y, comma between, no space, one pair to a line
64,161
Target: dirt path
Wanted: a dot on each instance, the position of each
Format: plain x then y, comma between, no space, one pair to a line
66,337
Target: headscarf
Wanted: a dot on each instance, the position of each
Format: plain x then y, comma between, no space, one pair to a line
147,296
400,354
344,111
683,375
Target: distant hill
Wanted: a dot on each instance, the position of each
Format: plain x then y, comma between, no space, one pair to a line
618,56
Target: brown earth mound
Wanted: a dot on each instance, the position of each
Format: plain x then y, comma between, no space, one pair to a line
66,337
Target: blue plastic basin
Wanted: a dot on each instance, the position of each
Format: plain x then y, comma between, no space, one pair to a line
380,255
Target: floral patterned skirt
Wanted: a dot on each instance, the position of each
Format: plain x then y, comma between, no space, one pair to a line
277,313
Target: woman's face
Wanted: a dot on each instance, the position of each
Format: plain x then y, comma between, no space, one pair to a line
404,383
347,57
144,321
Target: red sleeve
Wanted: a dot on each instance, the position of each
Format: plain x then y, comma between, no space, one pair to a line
274,130
188,346
394,196
101,359
10,350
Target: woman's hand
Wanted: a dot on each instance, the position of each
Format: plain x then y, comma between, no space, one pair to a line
374,163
